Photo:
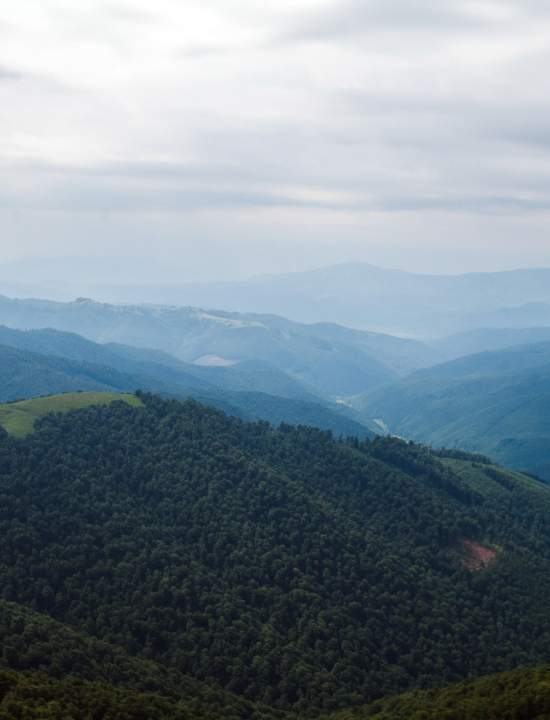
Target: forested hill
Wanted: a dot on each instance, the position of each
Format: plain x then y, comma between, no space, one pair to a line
58,673
518,695
495,403
26,375
282,566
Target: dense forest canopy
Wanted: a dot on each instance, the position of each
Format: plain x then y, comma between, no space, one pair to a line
284,566
518,695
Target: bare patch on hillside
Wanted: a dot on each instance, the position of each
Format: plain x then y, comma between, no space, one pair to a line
477,557
214,361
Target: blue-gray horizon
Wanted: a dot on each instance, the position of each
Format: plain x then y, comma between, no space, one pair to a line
226,139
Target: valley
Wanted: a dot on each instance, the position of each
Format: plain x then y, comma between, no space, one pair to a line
484,390
208,514
496,403
274,360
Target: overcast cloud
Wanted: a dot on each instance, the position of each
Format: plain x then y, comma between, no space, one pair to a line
228,137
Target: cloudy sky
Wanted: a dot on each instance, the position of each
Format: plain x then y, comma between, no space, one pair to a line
220,138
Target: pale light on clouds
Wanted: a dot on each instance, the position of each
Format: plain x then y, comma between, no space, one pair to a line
241,136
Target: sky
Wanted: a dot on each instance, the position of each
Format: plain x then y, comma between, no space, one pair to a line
200,140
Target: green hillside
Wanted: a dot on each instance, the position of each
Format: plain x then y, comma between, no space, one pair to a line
518,695
496,403
18,418
65,665
36,695
281,566
49,362
25,374
57,673
157,366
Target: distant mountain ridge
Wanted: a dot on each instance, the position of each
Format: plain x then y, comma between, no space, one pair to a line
497,403
328,359
487,339
354,294
48,362
364,296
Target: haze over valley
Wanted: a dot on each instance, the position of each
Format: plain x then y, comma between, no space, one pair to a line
484,389
274,360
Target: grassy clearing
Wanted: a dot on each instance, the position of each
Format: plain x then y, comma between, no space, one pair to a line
492,481
18,418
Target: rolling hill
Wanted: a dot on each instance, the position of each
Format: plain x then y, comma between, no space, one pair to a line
327,359
281,567
487,339
527,315
18,418
519,695
54,667
249,375
496,403
25,374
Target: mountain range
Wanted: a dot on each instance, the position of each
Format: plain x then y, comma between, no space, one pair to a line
330,360
46,362
266,367
169,559
367,297
485,339
497,403
358,295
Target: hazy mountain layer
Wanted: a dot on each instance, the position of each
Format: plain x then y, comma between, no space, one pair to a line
528,315
25,374
328,359
164,368
486,339
497,403
363,296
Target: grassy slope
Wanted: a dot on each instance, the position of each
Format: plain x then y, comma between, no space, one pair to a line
18,418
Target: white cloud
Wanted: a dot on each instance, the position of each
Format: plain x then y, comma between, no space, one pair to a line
301,108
